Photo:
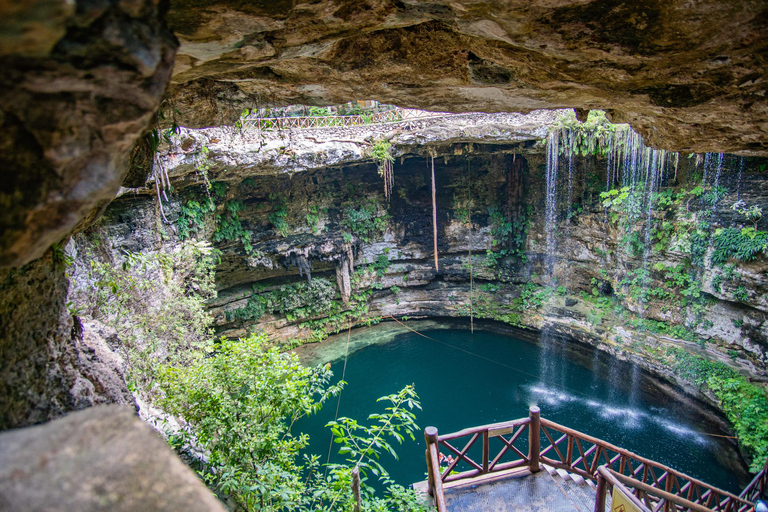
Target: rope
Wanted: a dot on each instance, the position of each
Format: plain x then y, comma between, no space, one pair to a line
338,402
471,274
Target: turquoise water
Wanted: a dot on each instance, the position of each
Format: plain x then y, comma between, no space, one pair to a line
465,380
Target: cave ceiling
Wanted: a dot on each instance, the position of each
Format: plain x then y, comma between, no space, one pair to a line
689,76
82,80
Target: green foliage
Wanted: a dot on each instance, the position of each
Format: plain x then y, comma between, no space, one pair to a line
742,244
365,222
156,303
752,213
229,227
192,217
381,265
313,220
279,214
509,238
714,195
662,235
676,331
240,404
740,294
745,404
380,151
532,296
363,444
591,137
297,301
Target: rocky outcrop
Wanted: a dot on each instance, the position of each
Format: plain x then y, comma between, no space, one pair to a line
688,77
304,224
52,363
81,83
103,458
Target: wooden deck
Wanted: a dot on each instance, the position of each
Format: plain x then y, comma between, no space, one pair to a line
536,464
520,490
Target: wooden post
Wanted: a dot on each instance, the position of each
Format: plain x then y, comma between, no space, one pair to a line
436,480
486,451
356,489
430,436
430,474
534,439
600,493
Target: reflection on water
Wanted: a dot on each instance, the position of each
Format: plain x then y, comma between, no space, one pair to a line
465,380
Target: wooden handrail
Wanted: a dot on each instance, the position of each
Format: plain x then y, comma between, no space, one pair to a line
644,470
691,493
606,476
662,497
757,487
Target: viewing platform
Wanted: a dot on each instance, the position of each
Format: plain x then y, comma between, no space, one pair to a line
533,464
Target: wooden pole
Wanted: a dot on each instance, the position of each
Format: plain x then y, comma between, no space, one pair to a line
433,463
434,212
356,489
534,438
602,488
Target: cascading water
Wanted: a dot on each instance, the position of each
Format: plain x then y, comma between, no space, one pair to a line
741,173
548,371
550,220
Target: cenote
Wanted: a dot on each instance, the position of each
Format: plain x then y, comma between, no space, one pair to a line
466,379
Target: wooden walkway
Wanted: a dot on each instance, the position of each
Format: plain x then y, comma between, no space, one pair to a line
549,490
536,464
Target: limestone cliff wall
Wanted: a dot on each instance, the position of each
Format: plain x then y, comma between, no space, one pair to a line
304,228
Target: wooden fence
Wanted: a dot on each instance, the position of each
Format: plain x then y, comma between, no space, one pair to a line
308,122
565,448
758,487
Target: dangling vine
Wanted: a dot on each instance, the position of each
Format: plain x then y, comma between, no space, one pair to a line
380,152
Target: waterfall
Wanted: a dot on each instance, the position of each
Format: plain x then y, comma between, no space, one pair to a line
741,173
550,219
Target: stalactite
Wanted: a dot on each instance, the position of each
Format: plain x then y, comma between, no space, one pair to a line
344,268
305,269
434,212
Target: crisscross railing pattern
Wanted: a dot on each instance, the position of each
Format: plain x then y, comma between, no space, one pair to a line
582,454
507,433
758,487
656,485
308,122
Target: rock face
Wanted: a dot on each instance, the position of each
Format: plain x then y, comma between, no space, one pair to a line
81,83
688,77
52,363
103,458
324,246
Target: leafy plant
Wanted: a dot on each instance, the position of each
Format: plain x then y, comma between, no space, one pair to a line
365,222
753,213
156,303
230,228
240,405
279,214
743,244
745,404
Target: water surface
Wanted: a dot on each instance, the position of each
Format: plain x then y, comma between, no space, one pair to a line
465,380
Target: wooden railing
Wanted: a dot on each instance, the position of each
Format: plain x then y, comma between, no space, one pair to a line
565,448
307,122
758,487
646,497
